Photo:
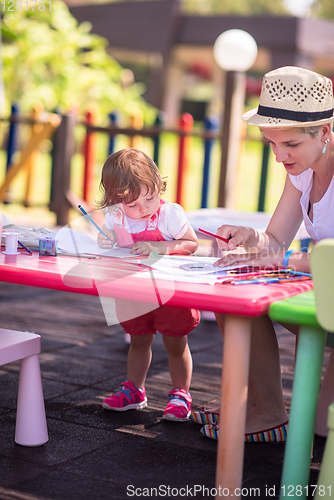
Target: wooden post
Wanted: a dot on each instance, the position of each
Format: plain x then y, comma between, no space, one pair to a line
89,152
113,121
12,136
230,142
264,175
186,125
156,140
63,152
209,124
136,121
12,142
35,113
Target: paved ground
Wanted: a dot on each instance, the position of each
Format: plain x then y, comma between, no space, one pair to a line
94,454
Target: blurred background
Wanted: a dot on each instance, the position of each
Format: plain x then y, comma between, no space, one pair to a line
81,79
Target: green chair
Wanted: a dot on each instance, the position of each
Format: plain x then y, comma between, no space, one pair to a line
322,265
326,477
302,310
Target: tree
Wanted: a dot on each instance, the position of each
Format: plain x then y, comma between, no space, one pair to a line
323,8
48,57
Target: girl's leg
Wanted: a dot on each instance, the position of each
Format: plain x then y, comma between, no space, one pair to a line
180,361
326,397
139,359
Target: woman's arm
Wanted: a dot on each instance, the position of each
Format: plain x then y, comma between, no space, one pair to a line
286,218
269,248
280,232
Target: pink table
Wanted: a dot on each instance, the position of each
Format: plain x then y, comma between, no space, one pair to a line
115,278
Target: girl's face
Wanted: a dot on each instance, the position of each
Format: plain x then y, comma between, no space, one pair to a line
297,150
144,206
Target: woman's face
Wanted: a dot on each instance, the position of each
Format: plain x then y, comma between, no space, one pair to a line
297,150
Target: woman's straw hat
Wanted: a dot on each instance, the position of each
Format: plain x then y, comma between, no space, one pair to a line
293,97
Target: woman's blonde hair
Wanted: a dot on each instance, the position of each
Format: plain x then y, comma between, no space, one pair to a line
124,174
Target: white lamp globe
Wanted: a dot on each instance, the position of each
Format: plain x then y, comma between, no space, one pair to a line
235,50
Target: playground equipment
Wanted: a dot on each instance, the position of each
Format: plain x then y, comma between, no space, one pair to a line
44,131
61,128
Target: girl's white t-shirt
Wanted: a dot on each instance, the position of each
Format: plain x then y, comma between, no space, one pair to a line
172,222
323,211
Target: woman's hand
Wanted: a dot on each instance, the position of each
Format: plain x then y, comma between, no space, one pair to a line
262,259
236,236
103,241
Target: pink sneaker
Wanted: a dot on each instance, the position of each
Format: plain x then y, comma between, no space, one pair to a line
179,406
129,397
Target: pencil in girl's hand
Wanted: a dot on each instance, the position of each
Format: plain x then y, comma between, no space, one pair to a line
214,235
94,223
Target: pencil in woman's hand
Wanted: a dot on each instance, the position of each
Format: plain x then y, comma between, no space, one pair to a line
214,235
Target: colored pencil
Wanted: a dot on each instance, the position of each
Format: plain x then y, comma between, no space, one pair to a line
269,280
94,223
23,246
214,235
298,272
257,280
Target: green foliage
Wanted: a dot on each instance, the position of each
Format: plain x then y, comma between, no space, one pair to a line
237,7
49,58
323,8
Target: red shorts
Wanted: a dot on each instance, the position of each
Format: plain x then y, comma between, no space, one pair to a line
168,320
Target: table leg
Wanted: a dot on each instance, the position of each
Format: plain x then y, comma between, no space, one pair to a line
234,389
298,449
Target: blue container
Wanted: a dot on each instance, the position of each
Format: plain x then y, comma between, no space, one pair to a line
48,246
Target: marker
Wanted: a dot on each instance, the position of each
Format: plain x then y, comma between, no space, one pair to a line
94,223
23,246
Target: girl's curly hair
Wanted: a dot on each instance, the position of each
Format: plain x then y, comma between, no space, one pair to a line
124,174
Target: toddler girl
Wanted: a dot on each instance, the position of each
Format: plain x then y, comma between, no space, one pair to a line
138,218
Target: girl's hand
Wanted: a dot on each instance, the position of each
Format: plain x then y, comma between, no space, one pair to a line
237,235
142,248
103,242
253,259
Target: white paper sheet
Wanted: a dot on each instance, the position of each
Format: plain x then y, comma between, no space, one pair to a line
185,268
208,279
188,265
72,241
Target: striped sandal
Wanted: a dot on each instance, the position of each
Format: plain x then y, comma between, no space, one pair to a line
204,416
274,435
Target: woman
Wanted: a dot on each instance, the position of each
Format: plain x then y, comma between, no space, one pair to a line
295,115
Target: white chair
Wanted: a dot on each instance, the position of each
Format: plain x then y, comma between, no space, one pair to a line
31,427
